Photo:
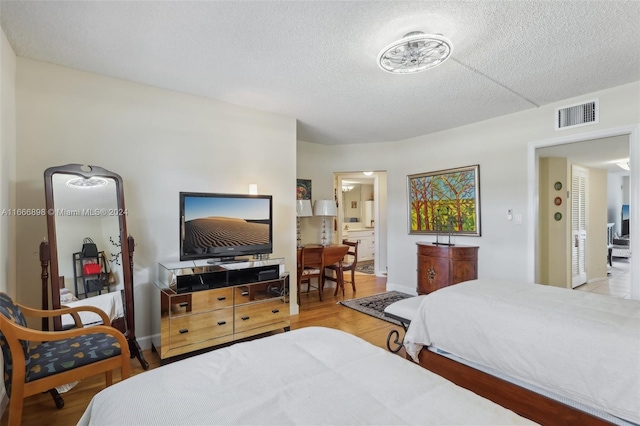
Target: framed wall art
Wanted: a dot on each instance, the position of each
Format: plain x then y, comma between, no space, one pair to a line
303,189
445,202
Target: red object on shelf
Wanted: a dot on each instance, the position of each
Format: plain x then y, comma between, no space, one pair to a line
91,269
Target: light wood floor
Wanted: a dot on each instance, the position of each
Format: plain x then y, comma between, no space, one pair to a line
40,409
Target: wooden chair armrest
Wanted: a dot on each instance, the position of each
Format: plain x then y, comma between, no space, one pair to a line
76,318
39,313
19,332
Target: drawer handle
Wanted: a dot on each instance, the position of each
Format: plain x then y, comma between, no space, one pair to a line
245,293
222,322
244,318
183,330
275,311
184,304
222,298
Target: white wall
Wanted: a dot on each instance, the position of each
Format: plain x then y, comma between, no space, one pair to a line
499,146
625,190
7,164
596,225
7,178
161,143
316,165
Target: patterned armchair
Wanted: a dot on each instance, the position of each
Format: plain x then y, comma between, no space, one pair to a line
59,357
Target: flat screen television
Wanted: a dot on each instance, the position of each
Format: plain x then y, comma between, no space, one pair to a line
625,219
223,226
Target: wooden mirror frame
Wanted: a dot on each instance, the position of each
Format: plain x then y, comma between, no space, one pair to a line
127,246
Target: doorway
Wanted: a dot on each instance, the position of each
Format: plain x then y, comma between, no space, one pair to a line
632,135
361,216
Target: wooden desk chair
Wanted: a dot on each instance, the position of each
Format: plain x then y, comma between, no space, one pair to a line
348,264
61,357
312,261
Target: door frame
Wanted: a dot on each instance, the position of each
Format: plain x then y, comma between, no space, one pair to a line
533,225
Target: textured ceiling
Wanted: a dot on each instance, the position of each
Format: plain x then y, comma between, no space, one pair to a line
316,60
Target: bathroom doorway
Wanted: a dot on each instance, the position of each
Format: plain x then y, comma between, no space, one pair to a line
361,200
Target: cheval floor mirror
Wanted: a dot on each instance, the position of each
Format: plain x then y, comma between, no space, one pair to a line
88,202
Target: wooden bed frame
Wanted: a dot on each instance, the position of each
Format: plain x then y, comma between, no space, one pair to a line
524,402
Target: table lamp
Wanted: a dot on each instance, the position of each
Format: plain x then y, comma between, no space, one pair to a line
303,209
325,208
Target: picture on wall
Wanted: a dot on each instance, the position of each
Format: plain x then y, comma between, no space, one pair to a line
445,201
303,189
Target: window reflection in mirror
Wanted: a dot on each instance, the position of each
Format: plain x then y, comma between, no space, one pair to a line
86,209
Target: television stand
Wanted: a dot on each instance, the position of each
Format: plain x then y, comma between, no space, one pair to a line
197,307
221,260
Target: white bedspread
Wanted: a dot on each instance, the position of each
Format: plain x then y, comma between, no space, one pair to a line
110,303
309,376
580,345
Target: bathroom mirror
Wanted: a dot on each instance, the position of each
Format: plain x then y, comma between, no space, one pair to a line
85,207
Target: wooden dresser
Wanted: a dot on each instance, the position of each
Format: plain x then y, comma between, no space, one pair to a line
440,265
201,305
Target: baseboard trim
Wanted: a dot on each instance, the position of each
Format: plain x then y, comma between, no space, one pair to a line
144,342
402,289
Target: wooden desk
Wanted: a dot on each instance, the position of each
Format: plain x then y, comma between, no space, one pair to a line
333,254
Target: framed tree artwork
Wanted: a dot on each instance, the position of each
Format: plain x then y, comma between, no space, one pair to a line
303,189
445,202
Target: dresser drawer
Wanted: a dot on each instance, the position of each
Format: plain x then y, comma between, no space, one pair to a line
190,329
273,289
361,234
433,251
464,253
448,252
258,315
201,301
463,271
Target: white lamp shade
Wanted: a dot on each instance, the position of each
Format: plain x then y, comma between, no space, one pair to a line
325,208
303,208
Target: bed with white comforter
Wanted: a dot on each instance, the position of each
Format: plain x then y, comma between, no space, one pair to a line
311,375
110,303
579,345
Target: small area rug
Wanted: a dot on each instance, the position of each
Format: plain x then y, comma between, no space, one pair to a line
365,267
374,305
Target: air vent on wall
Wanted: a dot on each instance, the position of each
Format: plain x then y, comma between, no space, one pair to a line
577,115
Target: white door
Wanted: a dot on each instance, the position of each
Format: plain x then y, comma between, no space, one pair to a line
579,182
